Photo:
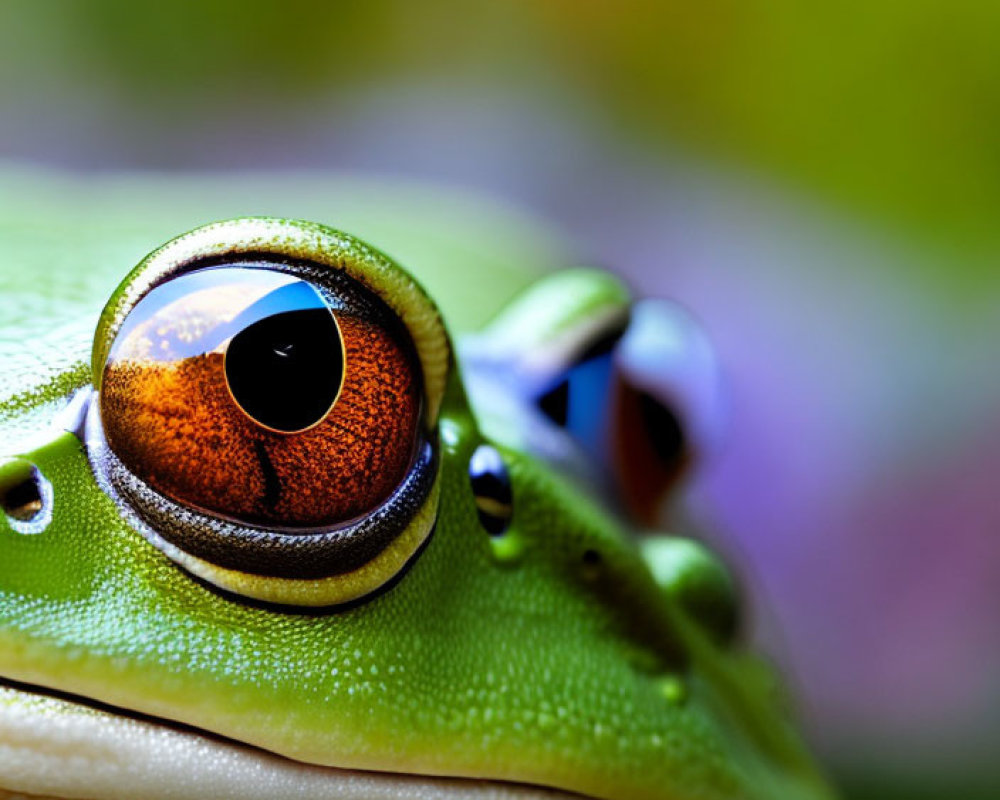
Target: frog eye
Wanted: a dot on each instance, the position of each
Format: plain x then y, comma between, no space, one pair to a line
633,385
643,397
268,392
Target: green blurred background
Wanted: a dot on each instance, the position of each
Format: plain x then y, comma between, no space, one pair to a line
819,183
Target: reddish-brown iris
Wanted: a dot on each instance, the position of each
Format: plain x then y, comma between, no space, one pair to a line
170,409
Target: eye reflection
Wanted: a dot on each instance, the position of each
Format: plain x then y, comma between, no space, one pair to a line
246,392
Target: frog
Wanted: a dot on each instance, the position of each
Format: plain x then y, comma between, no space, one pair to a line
280,534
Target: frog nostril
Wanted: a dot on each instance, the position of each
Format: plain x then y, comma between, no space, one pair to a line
25,496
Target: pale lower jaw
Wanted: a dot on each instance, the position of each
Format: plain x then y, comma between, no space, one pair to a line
51,747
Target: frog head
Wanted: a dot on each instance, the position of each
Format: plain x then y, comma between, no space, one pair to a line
283,537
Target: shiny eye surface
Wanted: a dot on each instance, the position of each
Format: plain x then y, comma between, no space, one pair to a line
256,395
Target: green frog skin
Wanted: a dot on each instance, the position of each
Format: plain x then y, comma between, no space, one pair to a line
494,627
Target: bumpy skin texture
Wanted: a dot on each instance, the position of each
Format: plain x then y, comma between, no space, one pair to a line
521,658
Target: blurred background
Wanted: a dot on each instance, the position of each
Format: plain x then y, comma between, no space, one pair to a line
819,183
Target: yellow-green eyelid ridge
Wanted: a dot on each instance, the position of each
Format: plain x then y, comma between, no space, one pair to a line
319,592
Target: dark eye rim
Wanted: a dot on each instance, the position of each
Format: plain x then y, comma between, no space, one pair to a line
299,553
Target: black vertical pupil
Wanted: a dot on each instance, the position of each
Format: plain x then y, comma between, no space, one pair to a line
285,370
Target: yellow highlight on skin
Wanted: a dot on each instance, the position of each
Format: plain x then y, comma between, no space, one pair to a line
336,589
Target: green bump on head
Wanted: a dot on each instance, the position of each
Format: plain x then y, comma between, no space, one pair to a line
699,582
